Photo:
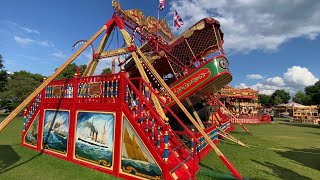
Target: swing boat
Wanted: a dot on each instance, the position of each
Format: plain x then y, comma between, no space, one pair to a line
160,79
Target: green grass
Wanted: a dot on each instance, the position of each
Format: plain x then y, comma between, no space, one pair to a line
281,150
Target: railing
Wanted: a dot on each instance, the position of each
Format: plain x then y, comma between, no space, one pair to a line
94,89
138,94
30,111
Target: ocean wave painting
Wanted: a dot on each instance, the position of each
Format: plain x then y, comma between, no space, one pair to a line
55,131
32,135
136,159
94,138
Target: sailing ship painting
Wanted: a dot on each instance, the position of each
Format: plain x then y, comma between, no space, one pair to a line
32,134
55,131
94,138
136,159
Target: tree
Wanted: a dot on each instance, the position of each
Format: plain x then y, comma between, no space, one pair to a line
70,70
20,85
3,75
314,92
264,99
302,98
282,94
106,71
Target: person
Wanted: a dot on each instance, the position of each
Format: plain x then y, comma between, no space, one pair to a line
271,115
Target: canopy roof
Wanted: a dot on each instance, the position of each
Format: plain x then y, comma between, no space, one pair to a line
291,104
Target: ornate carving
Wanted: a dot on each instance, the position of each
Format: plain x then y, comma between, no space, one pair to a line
165,31
136,16
56,91
152,25
95,89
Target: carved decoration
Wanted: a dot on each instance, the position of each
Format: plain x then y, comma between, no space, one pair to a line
136,16
95,89
165,30
56,91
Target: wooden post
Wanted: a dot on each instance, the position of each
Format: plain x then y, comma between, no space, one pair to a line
15,112
195,113
127,39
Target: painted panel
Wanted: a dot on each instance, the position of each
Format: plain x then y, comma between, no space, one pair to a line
56,130
136,159
31,136
94,138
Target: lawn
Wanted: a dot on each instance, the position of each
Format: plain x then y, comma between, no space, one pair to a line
281,150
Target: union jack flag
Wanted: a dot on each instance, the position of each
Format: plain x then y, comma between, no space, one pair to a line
177,20
161,4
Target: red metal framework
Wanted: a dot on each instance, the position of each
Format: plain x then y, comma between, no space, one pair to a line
136,121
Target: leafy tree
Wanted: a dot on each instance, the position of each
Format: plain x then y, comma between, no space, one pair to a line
277,100
106,71
70,70
314,92
3,75
282,94
264,99
20,85
302,98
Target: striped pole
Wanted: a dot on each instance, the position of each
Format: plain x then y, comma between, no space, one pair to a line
158,136
166,140
152,129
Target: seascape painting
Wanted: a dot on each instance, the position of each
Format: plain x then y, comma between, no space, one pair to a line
136,159
31,136
94,138
55,131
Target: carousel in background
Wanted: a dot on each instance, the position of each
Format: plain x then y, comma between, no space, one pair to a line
243,104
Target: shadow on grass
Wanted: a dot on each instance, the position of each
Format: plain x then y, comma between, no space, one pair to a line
209,173
306,157
302,125
281,172
8,157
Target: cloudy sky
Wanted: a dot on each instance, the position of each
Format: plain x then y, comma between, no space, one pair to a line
269,45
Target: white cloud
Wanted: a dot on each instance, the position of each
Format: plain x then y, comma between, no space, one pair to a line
254,76
255,25
275,81
29,41
30,30
13,25
242,85
294,79
299,76
59,55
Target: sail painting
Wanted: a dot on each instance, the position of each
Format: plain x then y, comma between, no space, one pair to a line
31,136
136,159
94,138
55,131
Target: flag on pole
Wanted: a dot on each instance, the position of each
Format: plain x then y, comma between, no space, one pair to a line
177,20
161,4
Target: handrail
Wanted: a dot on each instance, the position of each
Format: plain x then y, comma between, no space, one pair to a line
169,109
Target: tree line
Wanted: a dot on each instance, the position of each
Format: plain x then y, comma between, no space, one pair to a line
310,96
17,86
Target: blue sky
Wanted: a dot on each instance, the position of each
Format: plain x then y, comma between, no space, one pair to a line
268,48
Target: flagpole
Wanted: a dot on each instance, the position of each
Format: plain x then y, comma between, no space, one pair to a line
174,10
158,24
